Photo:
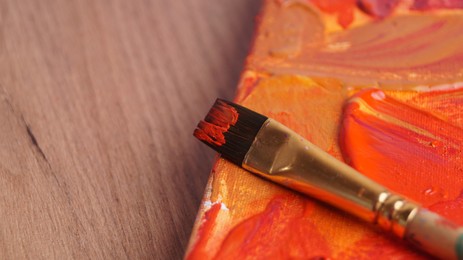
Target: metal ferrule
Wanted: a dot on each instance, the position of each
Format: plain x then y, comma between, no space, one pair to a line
282,156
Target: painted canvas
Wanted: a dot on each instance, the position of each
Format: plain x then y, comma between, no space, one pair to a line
378,85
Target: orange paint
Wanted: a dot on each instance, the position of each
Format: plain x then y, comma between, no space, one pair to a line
411,151
445,104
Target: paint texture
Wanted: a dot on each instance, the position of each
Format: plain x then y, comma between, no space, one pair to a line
376,85
409,150
262,235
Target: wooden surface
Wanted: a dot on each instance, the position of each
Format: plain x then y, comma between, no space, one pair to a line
98,101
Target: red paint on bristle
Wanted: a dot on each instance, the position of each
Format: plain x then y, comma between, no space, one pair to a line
217,122
222,114
210,133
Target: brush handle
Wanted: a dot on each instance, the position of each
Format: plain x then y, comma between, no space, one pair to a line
282,156
435,235
424,229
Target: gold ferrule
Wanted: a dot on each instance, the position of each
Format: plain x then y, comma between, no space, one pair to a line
282,156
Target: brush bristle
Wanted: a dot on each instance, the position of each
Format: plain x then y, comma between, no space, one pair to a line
230,129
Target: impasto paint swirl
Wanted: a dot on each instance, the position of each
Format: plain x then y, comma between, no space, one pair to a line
404,49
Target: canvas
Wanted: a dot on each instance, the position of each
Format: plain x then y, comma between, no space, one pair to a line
378,85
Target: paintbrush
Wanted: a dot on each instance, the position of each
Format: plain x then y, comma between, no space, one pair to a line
271,150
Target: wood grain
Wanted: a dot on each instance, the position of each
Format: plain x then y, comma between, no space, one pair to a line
98,101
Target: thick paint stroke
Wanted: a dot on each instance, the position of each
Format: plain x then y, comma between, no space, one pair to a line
281,231
409,150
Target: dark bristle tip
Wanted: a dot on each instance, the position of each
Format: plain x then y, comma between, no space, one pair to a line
239,136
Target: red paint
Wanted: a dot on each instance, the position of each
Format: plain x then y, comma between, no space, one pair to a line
222,114
380,246
210,133
281,231
343,9
217,122
199,250
408,150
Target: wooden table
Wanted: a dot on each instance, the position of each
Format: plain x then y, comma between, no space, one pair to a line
98,101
